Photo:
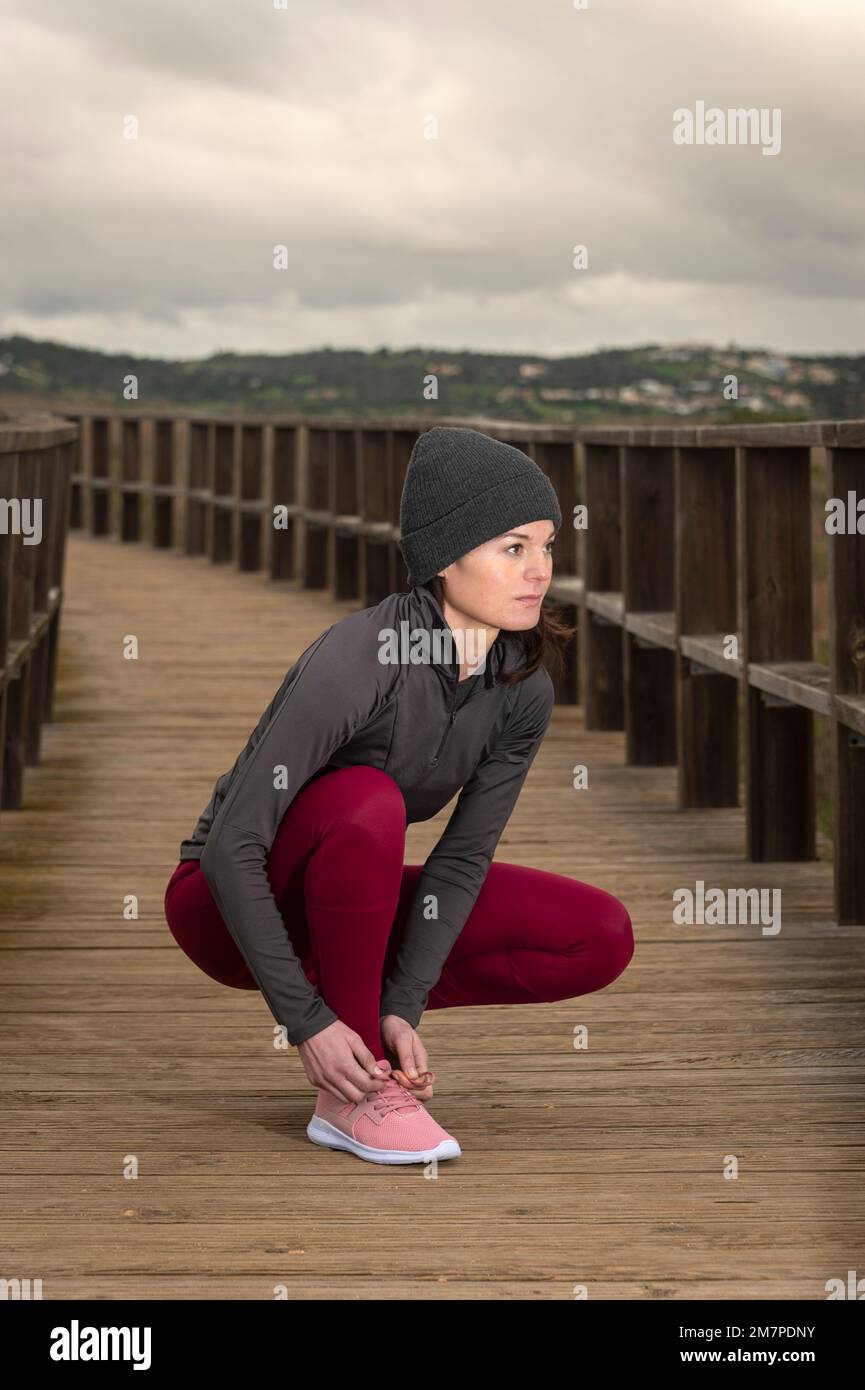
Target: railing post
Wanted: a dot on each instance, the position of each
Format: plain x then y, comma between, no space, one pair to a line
147,471
9,542
707,699
558,459
94,469
66,454
317,504
375,491
23,690
649,687
600,642
283,543
344,559
251,496
402,443
774,531
845,475
131,481
198,446
76,500
164,481
107,510
43,480
222,503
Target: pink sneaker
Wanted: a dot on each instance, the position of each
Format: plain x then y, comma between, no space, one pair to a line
387,1126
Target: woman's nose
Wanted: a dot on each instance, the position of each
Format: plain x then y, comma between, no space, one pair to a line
538,569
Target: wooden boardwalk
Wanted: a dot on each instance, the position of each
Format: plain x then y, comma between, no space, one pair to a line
601,1168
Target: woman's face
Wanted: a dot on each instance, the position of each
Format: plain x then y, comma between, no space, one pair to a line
491,583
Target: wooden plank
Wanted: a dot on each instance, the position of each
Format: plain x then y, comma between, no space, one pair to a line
804,683
609,605
566,589
658,628
708,648
802,434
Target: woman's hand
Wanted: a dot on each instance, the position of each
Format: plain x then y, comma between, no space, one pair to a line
412,1067
337,1060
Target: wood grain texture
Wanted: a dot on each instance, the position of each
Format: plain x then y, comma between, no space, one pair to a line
601,1167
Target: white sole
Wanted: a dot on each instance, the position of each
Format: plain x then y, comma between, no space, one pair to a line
323,1132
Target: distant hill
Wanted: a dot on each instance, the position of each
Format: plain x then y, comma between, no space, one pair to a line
671,382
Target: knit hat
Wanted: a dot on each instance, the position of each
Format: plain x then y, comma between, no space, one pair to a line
463,488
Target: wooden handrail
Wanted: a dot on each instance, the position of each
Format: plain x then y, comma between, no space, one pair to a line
37,459
691,584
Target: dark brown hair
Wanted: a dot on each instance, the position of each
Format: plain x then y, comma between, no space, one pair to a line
543,645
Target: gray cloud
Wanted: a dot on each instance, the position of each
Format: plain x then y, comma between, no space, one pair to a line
306,127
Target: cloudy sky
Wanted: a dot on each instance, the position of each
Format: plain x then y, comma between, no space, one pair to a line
306,126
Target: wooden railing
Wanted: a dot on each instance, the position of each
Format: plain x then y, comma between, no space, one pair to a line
691,580
37,459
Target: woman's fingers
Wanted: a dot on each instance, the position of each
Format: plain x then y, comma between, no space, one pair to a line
408,1057
421,1060
421,1088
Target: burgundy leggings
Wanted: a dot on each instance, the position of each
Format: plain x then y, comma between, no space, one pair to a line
337,875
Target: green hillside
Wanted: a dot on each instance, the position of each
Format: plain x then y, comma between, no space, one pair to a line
652,382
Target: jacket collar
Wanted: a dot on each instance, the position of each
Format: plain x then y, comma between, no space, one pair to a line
429,615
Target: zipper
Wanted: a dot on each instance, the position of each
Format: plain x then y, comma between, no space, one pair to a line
450,722
448,727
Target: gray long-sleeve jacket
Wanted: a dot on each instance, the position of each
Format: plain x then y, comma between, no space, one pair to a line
340,705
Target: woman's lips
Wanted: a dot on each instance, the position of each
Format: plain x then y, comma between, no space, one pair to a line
530,600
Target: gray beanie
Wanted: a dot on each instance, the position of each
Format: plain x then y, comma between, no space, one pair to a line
463,488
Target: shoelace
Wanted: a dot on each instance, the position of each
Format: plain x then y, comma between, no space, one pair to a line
392,1096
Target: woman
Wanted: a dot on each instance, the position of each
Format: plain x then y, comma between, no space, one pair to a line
293,881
